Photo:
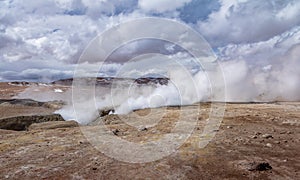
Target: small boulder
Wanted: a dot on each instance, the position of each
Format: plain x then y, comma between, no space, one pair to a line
267,136
143,129
262,166
105,112
116,132
269,145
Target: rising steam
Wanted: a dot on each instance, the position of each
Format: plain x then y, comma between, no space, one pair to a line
279,81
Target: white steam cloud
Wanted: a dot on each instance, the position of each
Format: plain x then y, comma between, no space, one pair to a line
42,41
276,80
244,83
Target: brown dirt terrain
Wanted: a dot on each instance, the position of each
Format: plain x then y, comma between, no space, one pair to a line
254,141
7,90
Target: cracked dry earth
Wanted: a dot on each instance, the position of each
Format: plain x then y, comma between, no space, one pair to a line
249,135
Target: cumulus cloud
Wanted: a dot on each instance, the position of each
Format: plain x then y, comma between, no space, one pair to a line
246,21
161,6
51,35
259,52
52,31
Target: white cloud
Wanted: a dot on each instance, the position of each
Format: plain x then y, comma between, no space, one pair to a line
249,21
51,34
264,51
161,6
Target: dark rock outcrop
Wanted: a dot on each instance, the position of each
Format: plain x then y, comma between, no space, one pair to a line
24,102
149,80
21,123
107,81
33,103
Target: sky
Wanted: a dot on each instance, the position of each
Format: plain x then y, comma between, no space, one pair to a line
43,40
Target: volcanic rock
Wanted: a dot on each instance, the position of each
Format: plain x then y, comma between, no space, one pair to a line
105,112
24,102
21,123
263,166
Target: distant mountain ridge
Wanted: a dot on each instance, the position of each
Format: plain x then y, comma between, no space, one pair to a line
110,80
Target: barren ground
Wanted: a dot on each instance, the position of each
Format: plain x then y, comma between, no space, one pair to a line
249,134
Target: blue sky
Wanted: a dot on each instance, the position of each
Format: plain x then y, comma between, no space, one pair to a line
42,40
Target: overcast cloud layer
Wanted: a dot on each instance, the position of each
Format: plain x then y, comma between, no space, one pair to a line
42,40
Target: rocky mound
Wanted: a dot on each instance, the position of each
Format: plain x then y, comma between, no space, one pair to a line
19,114
21,123
24,102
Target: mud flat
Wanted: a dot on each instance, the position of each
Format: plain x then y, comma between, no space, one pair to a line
254,141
